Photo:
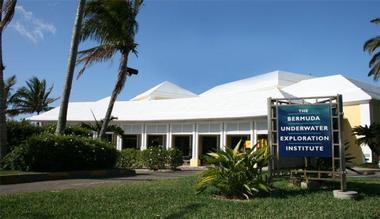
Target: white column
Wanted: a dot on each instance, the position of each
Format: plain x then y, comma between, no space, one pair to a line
194,162
365,119
223,140
119,142
252,133
169,137
143,138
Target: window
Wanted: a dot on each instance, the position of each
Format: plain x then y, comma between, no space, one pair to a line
131,141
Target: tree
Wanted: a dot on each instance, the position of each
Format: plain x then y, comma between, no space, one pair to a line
34,98
369,135
62,118
8,87
371,47
97,126
7,11
113,25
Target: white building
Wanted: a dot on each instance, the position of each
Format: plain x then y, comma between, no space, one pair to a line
175,117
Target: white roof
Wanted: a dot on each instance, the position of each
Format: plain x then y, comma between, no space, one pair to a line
274,79
240,99
351,90
165,90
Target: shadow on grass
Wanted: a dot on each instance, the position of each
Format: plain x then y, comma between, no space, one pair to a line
364,188
187,209
370,189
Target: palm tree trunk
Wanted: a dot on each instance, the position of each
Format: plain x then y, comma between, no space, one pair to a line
121,78
3,107
6,15
62,118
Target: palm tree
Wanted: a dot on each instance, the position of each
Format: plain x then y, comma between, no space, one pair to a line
34,98
371,46
61,123
8,87
6,14
369,135
113,25
97,126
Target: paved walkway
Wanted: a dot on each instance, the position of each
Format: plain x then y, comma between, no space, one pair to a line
142,175
56,185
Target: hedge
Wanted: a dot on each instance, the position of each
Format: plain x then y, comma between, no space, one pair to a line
153,158
19,131
48,152
130,159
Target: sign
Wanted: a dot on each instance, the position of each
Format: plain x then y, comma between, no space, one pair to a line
304,130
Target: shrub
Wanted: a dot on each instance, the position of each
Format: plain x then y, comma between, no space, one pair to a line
235,173
154,158
130,158
48,152
174,158
69,130
18,132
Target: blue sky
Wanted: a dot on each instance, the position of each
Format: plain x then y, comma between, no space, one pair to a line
198,44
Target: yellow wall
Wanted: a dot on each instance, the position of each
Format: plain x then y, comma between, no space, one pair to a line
352,119
352,113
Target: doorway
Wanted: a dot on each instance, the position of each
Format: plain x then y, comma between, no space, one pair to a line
156,140
233,140
131,141
184,144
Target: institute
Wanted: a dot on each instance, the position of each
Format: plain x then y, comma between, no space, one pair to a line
172,116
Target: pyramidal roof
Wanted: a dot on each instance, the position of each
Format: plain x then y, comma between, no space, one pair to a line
165,90
352,90
274,79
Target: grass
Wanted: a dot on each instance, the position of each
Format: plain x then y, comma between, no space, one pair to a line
12,172
370,165
175,198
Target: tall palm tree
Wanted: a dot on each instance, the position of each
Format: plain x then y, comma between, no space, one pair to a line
369,135
112,23
62,118
371,47
6,14
34,98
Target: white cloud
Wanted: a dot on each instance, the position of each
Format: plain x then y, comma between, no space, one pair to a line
33,28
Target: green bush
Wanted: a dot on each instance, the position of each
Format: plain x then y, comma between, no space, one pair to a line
235,173
69,130
18,132
174,158
154,158
130,159
48,152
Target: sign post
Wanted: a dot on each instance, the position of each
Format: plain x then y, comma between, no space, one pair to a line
307,128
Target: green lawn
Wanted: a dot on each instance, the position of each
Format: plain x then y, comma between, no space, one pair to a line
11,172
175,198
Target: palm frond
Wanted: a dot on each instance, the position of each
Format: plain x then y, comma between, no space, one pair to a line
97,54
375,71
374,60
34,97
376,20
372,44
